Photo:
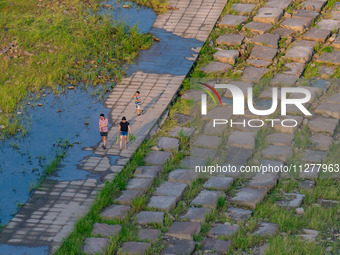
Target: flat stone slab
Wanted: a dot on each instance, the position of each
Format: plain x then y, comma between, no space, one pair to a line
177,131
267,229
168,143
203,153
284,80
150,172
310,173
182,118
230,39
243,8
253,74
184,230
242,85
283,4
157,158
232,20
191,162
219,112
216,67
139,184
223,230
249,197
314,156
275,152
258,27
237,214
297,24
244,140
329,109
115,212
291,200
209,129
300,54
208,141
268,15
227,56
149,235
238,156
293,68
313,5
196,214
305,14
266,162
270,40
334,99
186,176
283,32
172,189
133,248
216,245
278,127
321,142
329,24
309,235
323,125
105,230
317,34
336,43
162,203
328,203
95,245
185,247
330,58
280,139
207,198
263,52
127,196
149,217
259,62
263,181
218,183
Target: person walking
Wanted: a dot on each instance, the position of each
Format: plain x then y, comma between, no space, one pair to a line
123,131
103,123
138,103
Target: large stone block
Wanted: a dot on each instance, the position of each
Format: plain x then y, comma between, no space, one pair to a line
249,197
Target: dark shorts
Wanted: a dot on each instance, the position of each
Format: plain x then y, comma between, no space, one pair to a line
103,133
124,133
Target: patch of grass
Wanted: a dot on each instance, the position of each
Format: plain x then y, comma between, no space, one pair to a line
302,138
159,6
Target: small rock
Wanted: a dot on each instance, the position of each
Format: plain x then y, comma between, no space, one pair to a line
39,104
155,148
300,211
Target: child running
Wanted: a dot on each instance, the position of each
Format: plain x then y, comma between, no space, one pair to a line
138,103
123,131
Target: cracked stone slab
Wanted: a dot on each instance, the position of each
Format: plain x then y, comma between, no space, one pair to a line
249,197
321,142
253,74
139,184
227,56
263,52
243,8
323,125
263,181
329,24
329,109
196,214
207,198
293,68
184,230
168,143
317,34
150,172
133,248
258,27
157,158
268,15
230,39
280,139
244,140
267,229
163,203
207,141
232,20
297,24
314,156
313,5
223,230
291,200
149,235
186,131
270,40
218,183
186,176
238,156
95,245
282,153
330,58
216,67
237,214
149,217
105,230
216,245
172,189
115,212
185,247
127,196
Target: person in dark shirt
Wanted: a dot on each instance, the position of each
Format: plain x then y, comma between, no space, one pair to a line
123,131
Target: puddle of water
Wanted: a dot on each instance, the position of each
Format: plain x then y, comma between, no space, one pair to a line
166,56
22,250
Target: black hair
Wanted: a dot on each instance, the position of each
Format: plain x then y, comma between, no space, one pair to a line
138,92
123,118
102,114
